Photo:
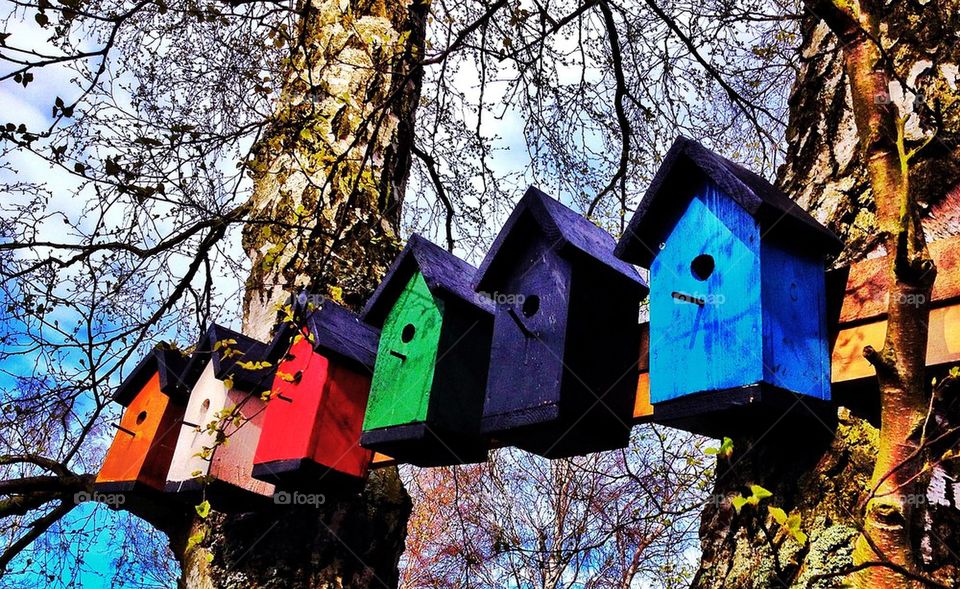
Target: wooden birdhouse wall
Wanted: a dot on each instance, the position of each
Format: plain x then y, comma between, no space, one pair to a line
290,423
461,369
318,418
796,354
717,344
400,391
209,396
526,371
232,461
603,398
145,456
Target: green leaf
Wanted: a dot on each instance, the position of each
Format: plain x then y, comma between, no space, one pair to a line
203,510
195,539
779,515
738,502
759,492
41,19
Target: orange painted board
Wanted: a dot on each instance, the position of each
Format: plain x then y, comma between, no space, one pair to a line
382,460
145,456
943,344
866,294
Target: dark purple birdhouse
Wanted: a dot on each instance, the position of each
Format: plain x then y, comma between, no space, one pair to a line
738,325
426,396
563,365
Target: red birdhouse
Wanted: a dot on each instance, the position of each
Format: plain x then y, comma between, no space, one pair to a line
139,457
311,430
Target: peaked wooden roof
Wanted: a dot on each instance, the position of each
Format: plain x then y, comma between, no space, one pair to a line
168,363
566,231
338,332
446,275
225,363
686,165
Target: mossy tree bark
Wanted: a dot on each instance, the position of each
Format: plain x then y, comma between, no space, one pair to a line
329,179
876,82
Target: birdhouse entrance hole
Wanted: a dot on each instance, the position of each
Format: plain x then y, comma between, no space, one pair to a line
408,332
141,417
702,266
531,305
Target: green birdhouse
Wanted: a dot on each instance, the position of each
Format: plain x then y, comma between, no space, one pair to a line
426,397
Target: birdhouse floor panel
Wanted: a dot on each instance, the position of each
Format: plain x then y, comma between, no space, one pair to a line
222,496
305,474
422,445
754,408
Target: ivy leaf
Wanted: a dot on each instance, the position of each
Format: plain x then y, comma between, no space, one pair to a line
759,492
725,450
739,502
195,539
228,382
792,525
203,510
779,515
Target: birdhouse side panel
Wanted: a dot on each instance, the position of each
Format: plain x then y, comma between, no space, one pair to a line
705,305
796,344
602,372
164,444
529,332
291,414
336,435
233,460
404,371
127,455
208,397
456,404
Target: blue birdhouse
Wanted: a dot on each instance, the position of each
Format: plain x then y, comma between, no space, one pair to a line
563,365
738,318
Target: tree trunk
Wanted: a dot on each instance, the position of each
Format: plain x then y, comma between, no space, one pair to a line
329,180
826,476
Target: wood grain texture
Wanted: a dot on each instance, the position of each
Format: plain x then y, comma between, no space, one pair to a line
209,396
145,456
692,345
403,375
866,296
232,461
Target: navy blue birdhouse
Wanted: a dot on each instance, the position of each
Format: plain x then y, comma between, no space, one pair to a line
563,365
737,298
426,395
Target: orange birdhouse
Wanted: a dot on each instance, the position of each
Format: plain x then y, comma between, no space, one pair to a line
142,449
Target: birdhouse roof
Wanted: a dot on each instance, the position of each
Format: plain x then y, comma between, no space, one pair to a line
568,232
340,333
446,275
685,167
225,358
169,363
